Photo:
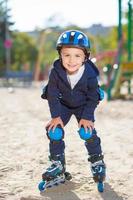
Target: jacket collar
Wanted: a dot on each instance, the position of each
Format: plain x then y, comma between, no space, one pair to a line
90,71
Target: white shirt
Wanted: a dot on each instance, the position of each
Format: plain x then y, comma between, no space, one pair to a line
74,78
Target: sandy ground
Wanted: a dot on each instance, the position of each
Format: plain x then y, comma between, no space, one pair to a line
24,150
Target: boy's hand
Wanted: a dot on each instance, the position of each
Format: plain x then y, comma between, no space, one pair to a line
54,122
86,124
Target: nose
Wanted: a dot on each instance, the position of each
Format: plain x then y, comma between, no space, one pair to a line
71,59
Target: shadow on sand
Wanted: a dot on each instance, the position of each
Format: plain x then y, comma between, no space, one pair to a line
63,192
66,192
110,194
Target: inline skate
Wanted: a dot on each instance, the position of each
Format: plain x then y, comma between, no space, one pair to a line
54,175
98,170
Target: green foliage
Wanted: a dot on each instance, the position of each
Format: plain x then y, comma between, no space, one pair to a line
50,52
23,50
2,52
5,32
108,42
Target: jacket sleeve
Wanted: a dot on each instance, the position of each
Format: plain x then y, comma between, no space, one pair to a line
53,95
92,100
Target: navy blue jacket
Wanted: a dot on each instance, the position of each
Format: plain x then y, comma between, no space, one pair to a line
84,94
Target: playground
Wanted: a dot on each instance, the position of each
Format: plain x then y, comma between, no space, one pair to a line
118,71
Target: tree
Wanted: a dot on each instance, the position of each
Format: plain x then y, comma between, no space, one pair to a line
2,34
5,32
23,51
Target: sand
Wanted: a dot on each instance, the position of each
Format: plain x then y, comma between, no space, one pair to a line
24,149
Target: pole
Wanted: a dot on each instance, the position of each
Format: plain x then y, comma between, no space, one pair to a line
129,31
7,37
117,71
119,23
40,55
119,32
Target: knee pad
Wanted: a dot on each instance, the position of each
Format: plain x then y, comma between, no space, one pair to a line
56,135
83,135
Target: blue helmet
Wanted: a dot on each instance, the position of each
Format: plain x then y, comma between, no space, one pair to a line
73,38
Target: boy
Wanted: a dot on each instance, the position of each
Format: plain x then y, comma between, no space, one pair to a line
73,90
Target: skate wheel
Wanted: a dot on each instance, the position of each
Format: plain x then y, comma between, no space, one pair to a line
63,182
41,186
49,186
100,187
68,176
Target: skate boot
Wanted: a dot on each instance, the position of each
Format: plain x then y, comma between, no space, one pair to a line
98,169
61,159
54,175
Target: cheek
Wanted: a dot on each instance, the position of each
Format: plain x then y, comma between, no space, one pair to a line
64,63
81,60
63,59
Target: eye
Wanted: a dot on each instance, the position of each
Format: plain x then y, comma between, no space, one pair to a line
78,56
66,55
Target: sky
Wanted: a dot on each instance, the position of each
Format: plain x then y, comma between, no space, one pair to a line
31,14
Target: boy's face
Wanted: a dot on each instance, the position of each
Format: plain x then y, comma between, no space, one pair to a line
72,59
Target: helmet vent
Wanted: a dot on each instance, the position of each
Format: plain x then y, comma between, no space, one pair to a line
65,35
80,36
72,33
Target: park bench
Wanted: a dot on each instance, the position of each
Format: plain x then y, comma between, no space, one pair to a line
18,78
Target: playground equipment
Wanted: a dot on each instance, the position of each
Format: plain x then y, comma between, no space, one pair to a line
120,78
120,73
124,75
